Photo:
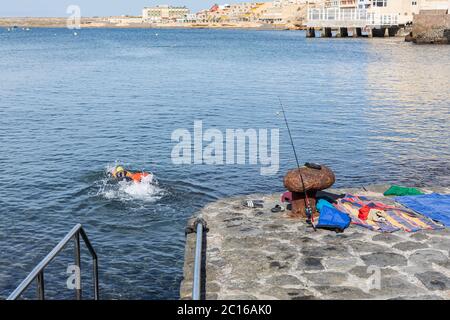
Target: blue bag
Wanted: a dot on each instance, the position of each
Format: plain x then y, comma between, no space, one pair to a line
323,203
333,219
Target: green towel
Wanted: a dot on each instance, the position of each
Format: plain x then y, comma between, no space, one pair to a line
402,191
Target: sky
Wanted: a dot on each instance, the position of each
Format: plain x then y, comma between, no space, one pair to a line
90,8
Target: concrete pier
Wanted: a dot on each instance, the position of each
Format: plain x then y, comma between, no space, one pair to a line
343,32
257,254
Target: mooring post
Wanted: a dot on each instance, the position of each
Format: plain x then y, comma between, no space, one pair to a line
304,183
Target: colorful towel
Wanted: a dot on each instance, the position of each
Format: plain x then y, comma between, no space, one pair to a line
396,218
435,206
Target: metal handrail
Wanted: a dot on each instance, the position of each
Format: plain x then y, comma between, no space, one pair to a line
38,272
199,226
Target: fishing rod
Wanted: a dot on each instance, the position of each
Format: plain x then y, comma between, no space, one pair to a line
308,208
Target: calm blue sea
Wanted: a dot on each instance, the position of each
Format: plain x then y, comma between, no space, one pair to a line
71,107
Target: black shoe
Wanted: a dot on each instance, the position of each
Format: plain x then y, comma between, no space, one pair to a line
277,208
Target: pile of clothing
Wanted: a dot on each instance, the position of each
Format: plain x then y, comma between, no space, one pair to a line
419,212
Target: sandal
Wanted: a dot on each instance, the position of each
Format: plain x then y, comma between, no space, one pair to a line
277,208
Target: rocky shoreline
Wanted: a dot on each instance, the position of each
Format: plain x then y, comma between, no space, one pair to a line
257,254
101,22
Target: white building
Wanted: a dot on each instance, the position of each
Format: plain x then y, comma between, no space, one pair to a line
240,11
362,13
164,13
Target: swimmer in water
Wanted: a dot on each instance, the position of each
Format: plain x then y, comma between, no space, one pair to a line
120,174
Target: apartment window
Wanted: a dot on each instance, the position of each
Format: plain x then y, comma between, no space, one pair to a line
379,3
414,3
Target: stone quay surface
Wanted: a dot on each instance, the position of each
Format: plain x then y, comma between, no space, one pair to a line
258,254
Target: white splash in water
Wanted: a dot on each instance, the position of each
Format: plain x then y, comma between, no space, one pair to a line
148,190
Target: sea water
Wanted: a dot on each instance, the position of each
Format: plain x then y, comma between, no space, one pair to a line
374,110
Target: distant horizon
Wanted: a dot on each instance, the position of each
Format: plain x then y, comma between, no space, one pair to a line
99,8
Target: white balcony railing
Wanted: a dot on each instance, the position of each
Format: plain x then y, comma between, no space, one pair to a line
349,17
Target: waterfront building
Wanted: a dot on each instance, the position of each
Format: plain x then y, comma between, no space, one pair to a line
258,12
164,14
406,9
217,13
272,14
278,11
401,12
337,13
375,17
239,12
243,11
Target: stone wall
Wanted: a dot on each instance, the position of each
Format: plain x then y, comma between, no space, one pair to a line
431,27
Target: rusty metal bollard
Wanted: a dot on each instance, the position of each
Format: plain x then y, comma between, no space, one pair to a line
314,180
